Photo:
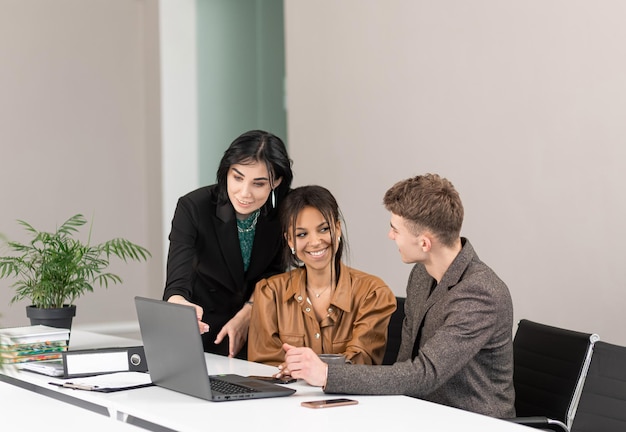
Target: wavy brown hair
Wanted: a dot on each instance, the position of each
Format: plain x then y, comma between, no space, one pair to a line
321,199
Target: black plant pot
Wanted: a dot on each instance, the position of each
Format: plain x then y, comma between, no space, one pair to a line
55,317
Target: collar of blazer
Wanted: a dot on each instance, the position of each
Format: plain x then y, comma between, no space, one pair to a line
451,277
225,225
457,268
225,212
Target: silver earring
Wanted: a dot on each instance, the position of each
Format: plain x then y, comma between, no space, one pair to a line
273,199
338,239
293,251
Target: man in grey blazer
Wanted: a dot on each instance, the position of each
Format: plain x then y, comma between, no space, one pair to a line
457,344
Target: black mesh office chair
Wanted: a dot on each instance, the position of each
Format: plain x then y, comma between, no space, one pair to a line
550,366
602,405
394,333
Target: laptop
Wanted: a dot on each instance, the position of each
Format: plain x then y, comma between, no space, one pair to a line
176,361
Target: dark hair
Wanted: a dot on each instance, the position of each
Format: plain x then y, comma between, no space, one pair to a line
428,201
321,199
257,146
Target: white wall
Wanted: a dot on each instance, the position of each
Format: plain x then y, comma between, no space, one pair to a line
179,107
520,104
80,132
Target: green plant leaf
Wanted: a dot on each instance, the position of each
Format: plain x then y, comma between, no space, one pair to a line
55,269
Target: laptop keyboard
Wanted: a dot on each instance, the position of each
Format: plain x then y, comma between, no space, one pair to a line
225,387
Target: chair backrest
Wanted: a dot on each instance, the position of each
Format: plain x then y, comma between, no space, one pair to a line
550,366
602,405
394,333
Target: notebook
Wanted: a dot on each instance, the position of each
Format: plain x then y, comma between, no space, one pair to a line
176,361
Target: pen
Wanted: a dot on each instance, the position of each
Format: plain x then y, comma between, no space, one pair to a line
74,386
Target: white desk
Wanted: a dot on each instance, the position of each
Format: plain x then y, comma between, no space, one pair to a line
26,410
161,409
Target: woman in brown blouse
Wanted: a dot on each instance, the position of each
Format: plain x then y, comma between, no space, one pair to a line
320,303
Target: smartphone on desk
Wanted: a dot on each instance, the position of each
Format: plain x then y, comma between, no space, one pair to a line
327,403
282,380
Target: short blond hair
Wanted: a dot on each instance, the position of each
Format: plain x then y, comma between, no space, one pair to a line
428,201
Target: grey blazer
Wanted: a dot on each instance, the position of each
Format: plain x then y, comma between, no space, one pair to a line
457,347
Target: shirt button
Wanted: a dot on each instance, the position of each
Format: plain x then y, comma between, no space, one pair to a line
317,335
308,309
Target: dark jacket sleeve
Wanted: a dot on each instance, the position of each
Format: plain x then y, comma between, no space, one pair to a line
181,259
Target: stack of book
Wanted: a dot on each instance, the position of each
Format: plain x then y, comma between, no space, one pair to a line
32,343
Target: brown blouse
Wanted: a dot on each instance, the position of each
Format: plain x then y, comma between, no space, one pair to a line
356,325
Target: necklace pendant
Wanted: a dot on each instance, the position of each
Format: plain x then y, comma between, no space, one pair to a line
318,295
252,225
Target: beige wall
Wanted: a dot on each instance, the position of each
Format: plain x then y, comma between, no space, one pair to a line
522,104
80,133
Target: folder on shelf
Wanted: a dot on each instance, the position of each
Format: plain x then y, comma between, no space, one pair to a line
80,363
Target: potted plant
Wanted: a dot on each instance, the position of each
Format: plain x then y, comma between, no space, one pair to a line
54,269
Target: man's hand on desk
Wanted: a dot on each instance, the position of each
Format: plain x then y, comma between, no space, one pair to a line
305,364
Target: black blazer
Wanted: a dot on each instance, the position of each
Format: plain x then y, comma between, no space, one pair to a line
204,262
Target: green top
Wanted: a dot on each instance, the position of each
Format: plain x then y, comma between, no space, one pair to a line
246,229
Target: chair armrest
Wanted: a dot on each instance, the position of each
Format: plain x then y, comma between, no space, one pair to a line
541,423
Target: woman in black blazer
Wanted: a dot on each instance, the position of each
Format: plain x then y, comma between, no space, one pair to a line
226,237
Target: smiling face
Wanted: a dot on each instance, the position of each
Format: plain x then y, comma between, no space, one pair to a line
248,187
313,239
